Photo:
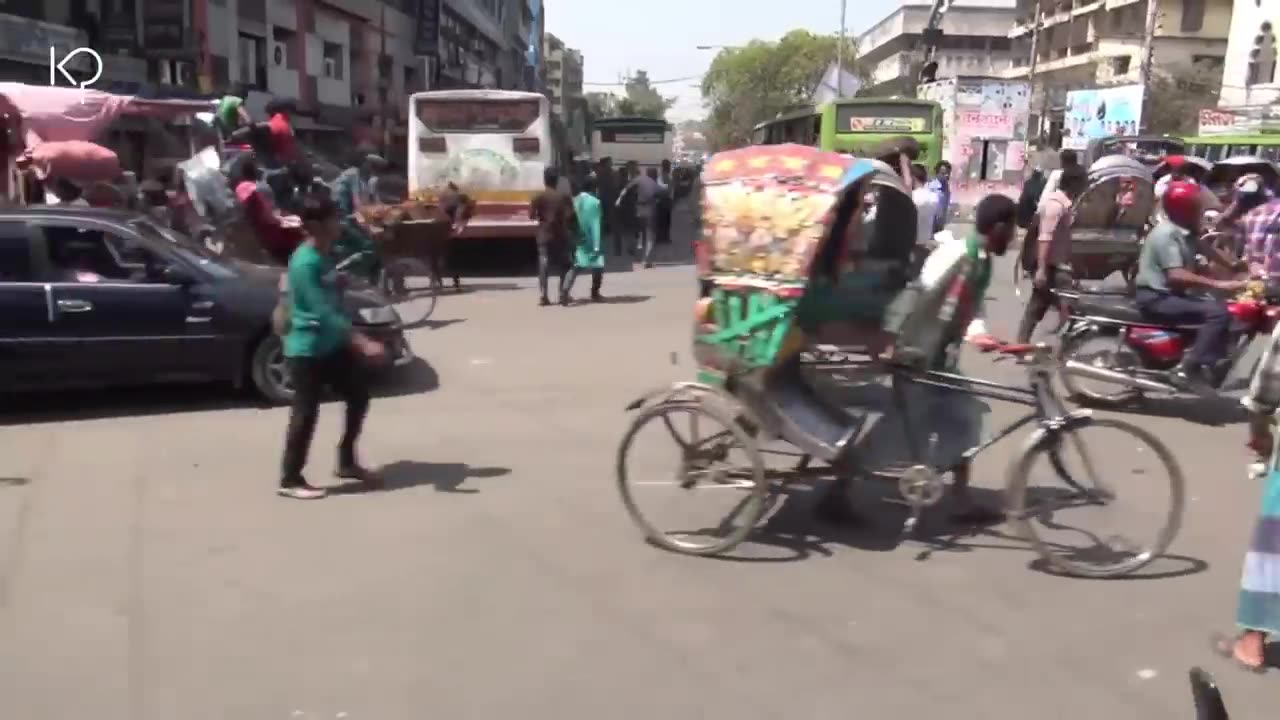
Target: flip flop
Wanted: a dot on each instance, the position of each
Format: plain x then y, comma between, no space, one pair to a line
1225,647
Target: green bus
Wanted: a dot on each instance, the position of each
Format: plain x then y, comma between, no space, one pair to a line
1219,147
856,125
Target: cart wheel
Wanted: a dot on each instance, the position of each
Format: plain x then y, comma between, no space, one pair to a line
1096,464
717,462
413,288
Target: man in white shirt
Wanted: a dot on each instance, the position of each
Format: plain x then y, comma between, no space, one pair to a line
1066,158
927,203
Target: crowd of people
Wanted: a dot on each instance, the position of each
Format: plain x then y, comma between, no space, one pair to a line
578,218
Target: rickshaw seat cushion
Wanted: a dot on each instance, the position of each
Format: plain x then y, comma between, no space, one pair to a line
794,410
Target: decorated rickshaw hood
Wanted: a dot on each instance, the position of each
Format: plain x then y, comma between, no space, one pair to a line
767,208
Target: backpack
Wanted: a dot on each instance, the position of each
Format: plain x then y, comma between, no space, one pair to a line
281,315
1029,255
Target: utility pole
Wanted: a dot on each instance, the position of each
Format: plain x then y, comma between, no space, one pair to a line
840,52
1148,53
1031,72
384,78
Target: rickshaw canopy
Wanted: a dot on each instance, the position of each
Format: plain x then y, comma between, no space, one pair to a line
1187,162
1109,217
1118,166
766,208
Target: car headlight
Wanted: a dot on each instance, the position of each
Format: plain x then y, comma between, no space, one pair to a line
384,315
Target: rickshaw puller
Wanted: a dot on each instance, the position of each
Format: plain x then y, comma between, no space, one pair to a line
960,270
1166,274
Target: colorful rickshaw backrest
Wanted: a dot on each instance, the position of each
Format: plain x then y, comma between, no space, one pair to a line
770,214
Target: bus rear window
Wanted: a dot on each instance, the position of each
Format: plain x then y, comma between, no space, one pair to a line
884,118
633,134
465,116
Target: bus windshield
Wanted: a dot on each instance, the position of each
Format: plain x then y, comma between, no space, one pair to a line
884,118
472,116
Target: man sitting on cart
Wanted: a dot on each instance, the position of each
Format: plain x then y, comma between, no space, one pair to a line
946,311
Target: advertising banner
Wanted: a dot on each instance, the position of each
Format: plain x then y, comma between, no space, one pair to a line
1100,113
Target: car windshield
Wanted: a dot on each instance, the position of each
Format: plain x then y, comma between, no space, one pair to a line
190,250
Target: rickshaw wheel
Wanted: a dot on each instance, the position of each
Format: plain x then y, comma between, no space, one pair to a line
412,287
703,465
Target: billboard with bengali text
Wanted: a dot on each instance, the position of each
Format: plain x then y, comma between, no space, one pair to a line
1101,113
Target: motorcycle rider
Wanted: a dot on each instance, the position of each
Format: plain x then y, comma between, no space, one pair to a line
1170,290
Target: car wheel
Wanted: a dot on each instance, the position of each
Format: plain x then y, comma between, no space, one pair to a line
270,372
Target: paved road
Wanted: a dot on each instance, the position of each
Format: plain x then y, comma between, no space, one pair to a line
147,570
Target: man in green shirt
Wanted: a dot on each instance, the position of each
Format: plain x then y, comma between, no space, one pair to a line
321,350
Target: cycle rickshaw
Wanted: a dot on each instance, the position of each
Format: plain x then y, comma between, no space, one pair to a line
781,223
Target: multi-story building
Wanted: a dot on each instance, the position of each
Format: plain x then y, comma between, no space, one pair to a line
975,42
1249,73
1095,43
564,88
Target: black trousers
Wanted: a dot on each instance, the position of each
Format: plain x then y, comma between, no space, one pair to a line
1042,298
597,279
1210,344
552,259
340,370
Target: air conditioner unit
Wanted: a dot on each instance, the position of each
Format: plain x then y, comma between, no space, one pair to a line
279,54
330,68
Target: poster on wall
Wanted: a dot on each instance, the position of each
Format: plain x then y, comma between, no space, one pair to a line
1101,113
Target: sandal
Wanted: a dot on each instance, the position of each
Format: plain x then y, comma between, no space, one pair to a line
1225,647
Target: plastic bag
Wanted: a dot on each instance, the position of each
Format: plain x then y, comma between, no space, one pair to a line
206,185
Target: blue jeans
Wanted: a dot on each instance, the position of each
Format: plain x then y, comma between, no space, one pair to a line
1211,315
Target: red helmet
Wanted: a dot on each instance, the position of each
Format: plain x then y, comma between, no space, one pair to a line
1182,203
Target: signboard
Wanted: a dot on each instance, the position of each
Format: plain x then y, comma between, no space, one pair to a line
31,40
164,25
622,136
426,36
1240,121
985,124
1101,113
120,25
886,125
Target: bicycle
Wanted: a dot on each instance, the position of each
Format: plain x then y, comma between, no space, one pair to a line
921,486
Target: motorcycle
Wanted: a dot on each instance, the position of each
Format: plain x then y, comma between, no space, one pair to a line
1107,338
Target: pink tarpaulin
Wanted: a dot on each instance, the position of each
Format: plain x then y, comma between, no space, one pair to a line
59,114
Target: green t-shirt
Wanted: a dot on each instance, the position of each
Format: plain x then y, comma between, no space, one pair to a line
317,324
1167,247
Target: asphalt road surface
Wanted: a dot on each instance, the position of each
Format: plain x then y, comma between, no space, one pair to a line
148,571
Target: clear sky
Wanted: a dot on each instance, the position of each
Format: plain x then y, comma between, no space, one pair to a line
661,36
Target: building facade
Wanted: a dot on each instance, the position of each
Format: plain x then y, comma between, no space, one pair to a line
975,42
349,65
1096,43
1249,72
564,87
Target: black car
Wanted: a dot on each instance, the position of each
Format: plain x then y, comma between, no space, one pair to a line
94,297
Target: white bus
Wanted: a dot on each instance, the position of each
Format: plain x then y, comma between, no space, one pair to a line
493,144
645,141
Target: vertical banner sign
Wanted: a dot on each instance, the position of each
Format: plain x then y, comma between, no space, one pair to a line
426,38
120,25
163,23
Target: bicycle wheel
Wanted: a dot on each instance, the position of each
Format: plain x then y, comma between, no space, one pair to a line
705,469
1034,511
413,288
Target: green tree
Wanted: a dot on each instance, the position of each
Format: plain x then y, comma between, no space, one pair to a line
1176,96
750,84
642,99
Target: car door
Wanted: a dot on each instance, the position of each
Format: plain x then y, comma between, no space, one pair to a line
29,354
131,327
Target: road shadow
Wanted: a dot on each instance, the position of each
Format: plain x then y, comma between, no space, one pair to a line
14,481
418,377
795,529
444,477
475,287
625,299
1213,411
429,324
